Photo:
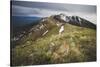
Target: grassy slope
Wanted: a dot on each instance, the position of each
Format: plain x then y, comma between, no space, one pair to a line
51,48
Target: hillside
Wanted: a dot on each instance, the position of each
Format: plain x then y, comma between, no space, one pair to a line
75,44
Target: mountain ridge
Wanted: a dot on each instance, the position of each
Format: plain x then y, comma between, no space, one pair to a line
42,44
46,23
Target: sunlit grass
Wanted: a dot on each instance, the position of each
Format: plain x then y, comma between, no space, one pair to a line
51,48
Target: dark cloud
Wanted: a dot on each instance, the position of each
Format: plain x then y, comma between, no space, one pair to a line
56,6
28,8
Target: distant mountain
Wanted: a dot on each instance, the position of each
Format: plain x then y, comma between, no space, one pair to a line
18,21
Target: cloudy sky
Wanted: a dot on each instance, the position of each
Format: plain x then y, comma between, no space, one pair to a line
42,9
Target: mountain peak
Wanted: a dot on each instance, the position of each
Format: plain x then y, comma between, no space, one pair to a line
75,20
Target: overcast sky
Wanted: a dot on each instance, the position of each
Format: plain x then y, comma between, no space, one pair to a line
42,9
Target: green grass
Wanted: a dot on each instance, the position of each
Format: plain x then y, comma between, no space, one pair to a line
46,49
